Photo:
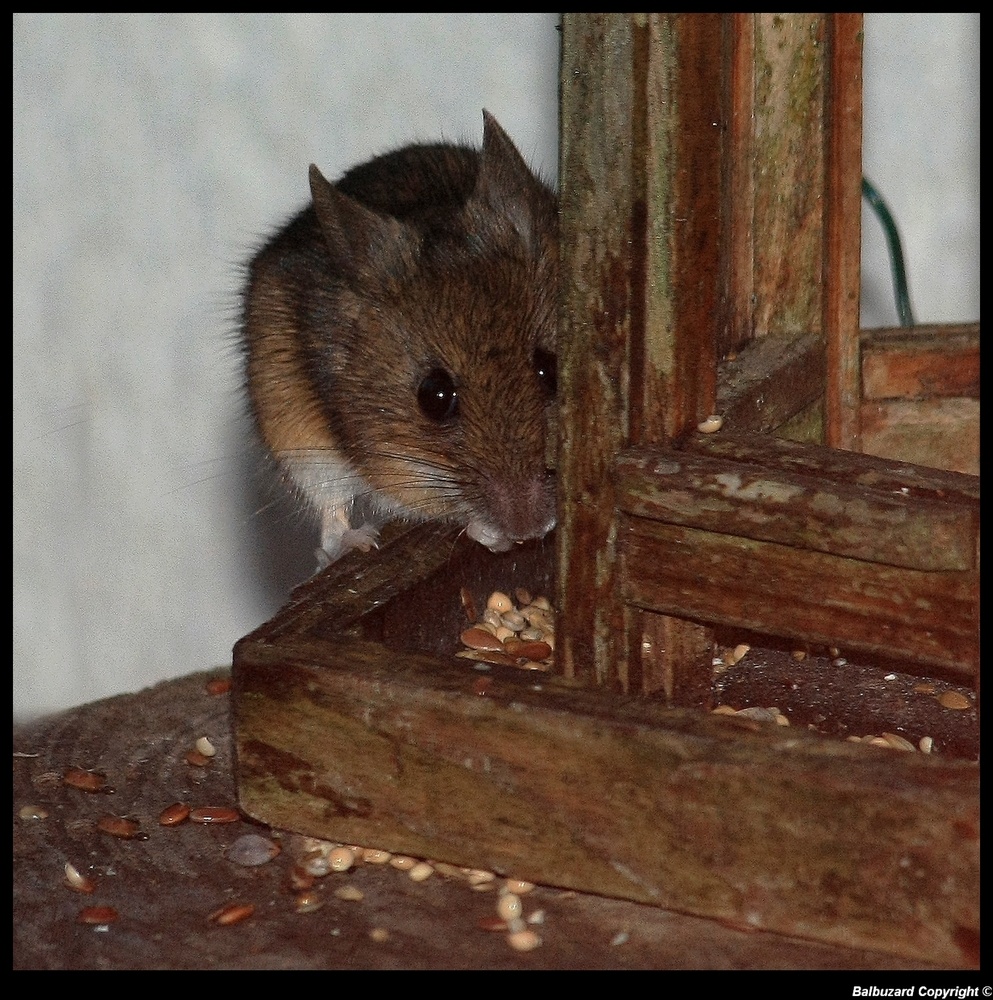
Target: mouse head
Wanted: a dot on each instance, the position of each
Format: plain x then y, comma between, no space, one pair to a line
437,363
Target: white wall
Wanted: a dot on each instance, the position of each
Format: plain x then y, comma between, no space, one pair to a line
152,151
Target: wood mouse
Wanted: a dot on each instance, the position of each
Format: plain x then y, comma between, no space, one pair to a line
399,336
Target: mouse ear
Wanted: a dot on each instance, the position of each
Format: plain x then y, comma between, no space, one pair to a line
506,182
362,243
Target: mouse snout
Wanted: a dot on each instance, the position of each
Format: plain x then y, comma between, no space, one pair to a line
518,510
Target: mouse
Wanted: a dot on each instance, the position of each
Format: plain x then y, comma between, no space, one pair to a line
399,343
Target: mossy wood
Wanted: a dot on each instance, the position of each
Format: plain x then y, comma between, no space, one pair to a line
354,737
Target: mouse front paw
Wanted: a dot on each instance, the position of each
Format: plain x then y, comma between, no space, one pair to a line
337,544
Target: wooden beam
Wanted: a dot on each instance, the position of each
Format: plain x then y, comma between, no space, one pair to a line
763,827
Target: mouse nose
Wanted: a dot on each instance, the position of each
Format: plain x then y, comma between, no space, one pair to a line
524,509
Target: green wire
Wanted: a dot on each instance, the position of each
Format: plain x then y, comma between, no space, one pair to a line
900,290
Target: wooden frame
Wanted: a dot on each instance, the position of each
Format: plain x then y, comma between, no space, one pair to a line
710,174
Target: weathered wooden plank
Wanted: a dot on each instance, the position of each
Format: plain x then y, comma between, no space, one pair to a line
769,381
921,362
842,228
756,825
640,180
941,433
788,171
928,620
805,511
870,472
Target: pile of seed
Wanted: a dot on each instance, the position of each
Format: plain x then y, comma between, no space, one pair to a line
319,858
514,634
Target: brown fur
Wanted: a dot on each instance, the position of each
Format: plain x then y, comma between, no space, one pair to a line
430,258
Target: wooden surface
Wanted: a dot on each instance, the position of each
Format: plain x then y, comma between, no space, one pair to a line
164,888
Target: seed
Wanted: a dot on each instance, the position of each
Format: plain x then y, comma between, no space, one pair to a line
86,781
503,633
316,864
97,915
523,596
468,603
954,699
509,906
488,656
876,741
214,814
712,424
926,744
526,940
529,650
375,857
379,934
205,747
251,850
341,859
499,602
799,654
349,893
924,688
478,638
740,651
218,685
898,742
542,604
77,882
513,620
232,913
307,902
518,886
175,814
421,871
403,862
724,710
32,812
122,827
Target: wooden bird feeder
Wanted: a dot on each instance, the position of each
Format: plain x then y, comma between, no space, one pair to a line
710,196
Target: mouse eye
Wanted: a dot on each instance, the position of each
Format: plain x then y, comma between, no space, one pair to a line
437,396
544,366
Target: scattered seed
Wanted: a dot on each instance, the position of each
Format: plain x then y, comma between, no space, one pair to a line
621,937
799,654
896,741
379,934
232,913
523,596
97,915
349,893
32,812
122,827
205,747
214,814
251,850
712,424
954,700
87,781
341,859
526,940
926,744
421,871
76,881
376,857
518,886
509,906
175,814
403,862
307,902
724,710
